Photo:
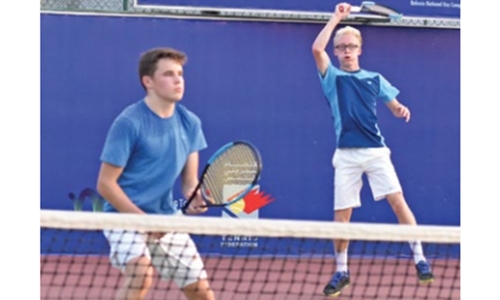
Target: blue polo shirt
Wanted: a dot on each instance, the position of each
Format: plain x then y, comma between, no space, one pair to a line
153,151
352,97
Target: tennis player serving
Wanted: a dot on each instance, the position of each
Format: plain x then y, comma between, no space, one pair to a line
352,94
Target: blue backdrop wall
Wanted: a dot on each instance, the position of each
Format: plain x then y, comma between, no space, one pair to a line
254,81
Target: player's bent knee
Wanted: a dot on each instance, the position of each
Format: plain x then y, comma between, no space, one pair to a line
139,274
139,266
398,203
343,215
396,199
199,290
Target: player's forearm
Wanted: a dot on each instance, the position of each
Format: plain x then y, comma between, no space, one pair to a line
189,176
115,195
188,186
394,106
323,38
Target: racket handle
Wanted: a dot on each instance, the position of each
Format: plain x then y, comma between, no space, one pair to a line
186,204
353,8
184,207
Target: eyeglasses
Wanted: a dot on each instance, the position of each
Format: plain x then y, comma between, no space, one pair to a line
343,47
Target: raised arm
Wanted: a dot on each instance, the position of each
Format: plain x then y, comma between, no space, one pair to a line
398,109
320,43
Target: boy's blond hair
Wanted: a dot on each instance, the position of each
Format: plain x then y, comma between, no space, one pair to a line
348,30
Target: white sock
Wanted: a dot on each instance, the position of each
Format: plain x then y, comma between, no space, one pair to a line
341,260
418,252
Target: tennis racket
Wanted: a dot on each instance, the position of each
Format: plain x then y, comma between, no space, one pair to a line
229,174
376,9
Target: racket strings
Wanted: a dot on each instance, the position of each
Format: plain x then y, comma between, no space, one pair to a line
238,167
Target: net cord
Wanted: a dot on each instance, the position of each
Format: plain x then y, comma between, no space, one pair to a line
205,225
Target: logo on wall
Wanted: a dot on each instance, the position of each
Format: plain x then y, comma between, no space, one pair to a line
246,208
87,195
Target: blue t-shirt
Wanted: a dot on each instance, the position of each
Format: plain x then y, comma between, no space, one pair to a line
352,97
153,152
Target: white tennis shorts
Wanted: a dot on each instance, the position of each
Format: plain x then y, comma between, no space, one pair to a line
350,165
174,256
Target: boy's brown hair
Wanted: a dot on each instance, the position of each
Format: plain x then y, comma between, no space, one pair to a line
148,62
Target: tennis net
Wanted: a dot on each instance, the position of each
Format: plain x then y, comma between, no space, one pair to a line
252,259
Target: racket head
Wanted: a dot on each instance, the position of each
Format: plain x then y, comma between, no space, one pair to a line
357,9
375,9
231,173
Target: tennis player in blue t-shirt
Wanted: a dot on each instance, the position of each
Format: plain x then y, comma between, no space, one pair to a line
352,93
149,145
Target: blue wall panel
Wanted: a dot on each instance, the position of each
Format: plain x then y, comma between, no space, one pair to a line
254,81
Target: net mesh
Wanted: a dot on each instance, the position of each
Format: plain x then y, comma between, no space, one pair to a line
249,259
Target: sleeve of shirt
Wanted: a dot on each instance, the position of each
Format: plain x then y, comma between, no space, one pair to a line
387,92
328,80
198,141
119,142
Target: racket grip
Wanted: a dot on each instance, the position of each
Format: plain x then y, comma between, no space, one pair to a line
184,207
353,8
186,204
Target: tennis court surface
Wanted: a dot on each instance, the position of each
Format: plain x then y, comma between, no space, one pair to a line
253,259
